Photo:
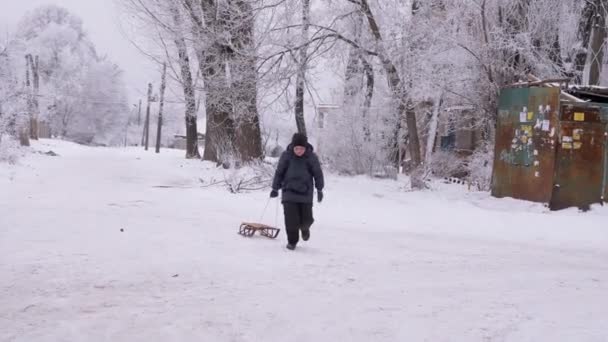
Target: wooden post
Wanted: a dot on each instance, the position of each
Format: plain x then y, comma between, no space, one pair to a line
147,122
159,125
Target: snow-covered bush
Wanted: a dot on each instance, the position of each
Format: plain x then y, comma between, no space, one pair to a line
351,155
344,149
254,176
447,164
480,167
10,150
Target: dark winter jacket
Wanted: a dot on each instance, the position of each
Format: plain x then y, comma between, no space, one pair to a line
295,175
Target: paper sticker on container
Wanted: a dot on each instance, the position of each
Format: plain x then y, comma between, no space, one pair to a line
566,139
530,116
579,116
576,134
535,152
567,146
537,174
546,125
578,145
522,117
536,163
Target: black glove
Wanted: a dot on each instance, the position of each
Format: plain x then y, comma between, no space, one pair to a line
319,196
274,194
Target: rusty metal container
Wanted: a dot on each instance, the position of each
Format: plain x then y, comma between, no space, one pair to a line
524,158
550,151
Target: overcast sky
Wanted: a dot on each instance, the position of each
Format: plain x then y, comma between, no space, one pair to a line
100,19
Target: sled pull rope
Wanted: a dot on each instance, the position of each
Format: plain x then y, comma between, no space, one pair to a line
264,211
276,215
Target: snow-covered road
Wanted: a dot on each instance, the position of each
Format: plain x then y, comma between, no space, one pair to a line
382,264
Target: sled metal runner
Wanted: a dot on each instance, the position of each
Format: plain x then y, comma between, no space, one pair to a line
248,229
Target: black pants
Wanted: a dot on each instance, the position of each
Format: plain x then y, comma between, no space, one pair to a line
298,216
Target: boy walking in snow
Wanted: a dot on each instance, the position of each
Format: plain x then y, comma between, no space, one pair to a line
298,167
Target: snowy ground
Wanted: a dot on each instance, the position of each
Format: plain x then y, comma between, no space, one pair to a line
382,264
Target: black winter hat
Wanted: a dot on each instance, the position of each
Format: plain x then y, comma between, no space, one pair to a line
299,139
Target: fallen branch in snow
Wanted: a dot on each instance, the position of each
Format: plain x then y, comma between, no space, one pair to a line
49,153
252,178
212,183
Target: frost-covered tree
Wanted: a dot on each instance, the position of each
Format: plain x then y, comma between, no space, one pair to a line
14,120
401,72
103,105
226,50
79,90
220,36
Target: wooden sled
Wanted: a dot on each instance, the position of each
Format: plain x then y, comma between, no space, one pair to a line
249,229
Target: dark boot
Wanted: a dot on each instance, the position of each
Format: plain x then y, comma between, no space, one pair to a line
291,247
305,234
307,220
292,222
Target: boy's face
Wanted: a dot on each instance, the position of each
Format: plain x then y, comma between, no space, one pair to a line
299,150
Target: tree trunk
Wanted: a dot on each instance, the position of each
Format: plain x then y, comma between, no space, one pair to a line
302,62
33,64
596,48
585,26
219,131
191,124
299,104
430,142
188,87
230,79
244,85
24,136
357,67
248,140
24,130
515,23
555,54
396,85
414,140
65,121
159,124
369,94
147,121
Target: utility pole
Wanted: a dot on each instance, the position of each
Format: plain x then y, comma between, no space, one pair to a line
159,125
139,114
146,136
